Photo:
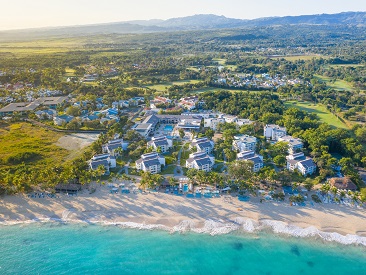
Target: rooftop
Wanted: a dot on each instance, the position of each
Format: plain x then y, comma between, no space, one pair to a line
143,126
343,183
30,106
94,164
291,140
307,163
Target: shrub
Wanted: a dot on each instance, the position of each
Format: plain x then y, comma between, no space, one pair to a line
316,198
20,157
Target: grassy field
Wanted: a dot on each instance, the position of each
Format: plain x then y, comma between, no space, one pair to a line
298,57
168,169
23,139
220,61
161,87
345,65
339,85
69,72
214,89
320,110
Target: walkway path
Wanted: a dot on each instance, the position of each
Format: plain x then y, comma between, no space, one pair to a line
125,168
178,171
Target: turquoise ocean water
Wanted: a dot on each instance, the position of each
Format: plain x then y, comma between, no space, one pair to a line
92,249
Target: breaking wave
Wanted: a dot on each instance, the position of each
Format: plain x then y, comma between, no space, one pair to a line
218,227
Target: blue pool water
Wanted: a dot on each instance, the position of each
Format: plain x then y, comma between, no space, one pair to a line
168,128
94,249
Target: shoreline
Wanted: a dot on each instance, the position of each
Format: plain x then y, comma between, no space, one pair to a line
215,216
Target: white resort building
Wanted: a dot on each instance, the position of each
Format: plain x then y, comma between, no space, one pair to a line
203,145
105,160
304,165
244,143
113,147
163,143
200,161
253,157
150,162
213,122
294,144
274,132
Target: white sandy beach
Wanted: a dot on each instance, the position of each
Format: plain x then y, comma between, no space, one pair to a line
168,211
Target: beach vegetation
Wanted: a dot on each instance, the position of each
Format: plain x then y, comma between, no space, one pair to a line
315,198
297,198
150,181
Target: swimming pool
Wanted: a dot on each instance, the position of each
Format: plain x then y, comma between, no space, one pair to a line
168,128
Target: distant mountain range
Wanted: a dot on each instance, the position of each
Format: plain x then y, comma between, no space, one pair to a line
195,22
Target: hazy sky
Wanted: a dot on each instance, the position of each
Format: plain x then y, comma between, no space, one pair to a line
42,13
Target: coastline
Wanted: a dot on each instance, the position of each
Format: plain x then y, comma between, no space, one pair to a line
172,213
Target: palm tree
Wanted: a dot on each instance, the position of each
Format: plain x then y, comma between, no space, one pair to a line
119,151
334,190
173,181
325,188
101,170
342,194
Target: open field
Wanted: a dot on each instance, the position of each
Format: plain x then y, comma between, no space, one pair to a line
69,72
320,110
31,144
297,57
340,85
220,61
74,143
346,65
161,87
26,51
214,89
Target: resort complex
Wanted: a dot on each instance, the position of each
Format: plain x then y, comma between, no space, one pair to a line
130,147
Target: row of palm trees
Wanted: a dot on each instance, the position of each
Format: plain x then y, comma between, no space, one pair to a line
340,194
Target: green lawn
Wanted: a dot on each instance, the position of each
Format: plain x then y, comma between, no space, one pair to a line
184,156
340,85
320,110
168,169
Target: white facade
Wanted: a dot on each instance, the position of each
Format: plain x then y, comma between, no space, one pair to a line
114,146
150,162
304,165
203,145
200,161
294,144
274,132
253,157
105,160
244,143
213,123
144,129
163,143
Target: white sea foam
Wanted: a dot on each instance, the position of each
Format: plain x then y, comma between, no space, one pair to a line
311,231
216,227
183,226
